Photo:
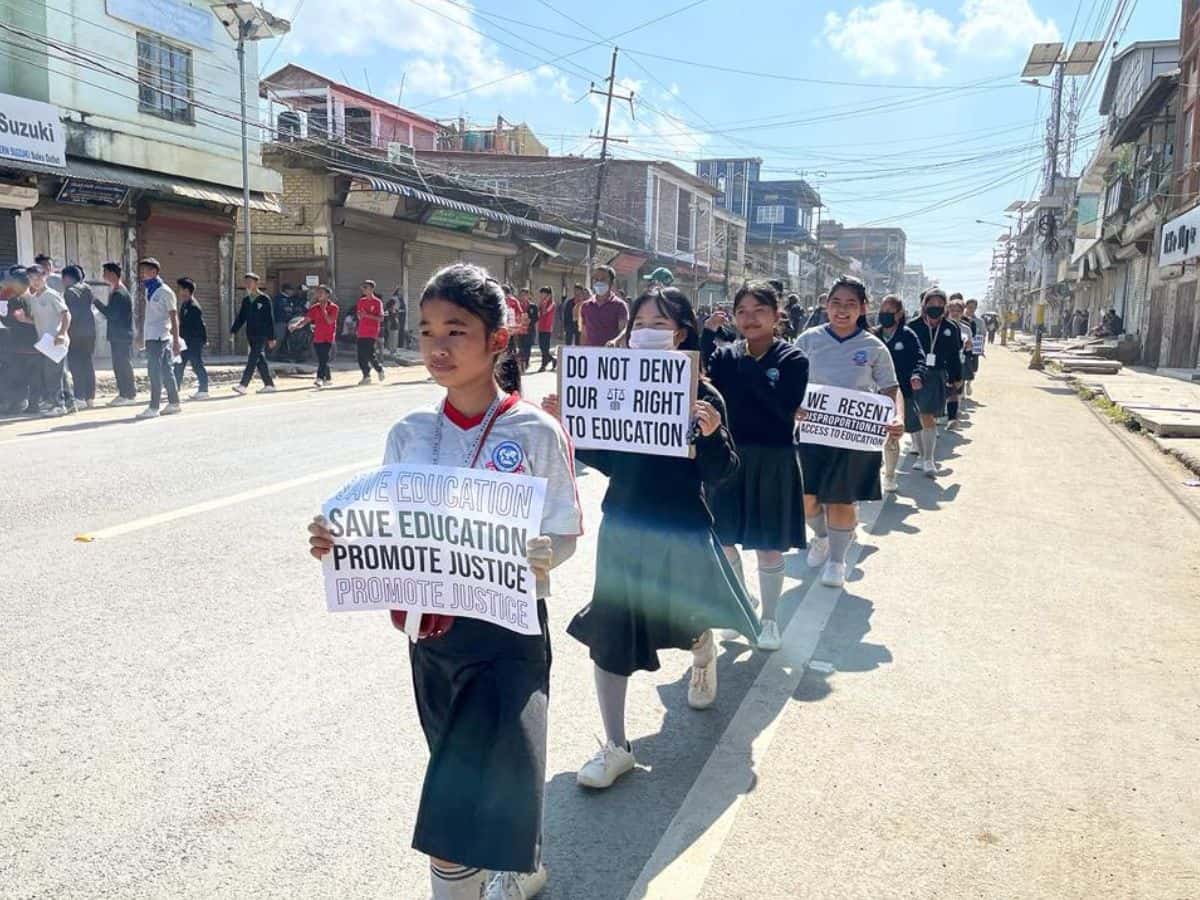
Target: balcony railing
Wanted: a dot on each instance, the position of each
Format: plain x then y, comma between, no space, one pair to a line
1152,170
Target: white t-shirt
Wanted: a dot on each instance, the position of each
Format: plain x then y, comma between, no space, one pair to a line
861,362
157,324
524,440
47,309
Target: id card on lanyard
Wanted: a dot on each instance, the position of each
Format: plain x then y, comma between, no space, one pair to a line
931,357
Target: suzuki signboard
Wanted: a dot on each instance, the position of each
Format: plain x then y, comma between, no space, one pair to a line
31,132
1180,240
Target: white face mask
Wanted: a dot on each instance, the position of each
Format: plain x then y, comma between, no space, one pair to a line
651,339
600,288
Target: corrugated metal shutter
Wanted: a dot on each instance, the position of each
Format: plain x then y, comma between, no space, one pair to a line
493,262
193,254
362,255
8,237
425,259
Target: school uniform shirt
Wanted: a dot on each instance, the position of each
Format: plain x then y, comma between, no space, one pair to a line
79,301
46,309
523,440
944,340
324,322
860,362
763,394
160,302
369,306
258,315
191,325
119,313
907,356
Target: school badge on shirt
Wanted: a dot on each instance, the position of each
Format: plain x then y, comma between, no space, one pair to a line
772,376
507,457
860,358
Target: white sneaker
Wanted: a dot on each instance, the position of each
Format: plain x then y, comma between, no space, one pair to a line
239,389
199,395
834,574
609,764
382,376
967,389
148,413
769,638
318,384
931,469
55,411
366,380
913,449
516,885
267,389
702,689
890,485
89,404
818,551
171,408
121,401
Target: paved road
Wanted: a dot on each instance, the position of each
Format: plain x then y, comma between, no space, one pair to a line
180,717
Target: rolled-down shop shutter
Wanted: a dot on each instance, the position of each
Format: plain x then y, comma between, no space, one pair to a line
424,261
191,253
8,237
362,255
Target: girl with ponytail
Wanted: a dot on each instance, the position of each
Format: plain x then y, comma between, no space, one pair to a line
482,690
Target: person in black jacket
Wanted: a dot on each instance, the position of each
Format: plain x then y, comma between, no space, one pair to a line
941,342
194,335
20,367
78,297
258,316
118,312
909,360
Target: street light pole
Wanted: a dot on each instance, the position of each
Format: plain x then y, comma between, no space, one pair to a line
243,27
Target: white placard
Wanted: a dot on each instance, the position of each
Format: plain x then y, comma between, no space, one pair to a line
977,345
32,132
311,280
1179,239
852,420
631,401
173,18
434,539
3,307
52,351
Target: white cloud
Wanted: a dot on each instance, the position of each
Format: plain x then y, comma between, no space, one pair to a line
436,53
661,130
898,35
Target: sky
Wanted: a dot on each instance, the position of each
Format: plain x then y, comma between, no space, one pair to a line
900,112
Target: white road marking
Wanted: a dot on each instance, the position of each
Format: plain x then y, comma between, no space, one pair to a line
219,502
685,854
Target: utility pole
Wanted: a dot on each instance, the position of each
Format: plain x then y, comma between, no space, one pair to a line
602,171
817,256
728,250
1005,296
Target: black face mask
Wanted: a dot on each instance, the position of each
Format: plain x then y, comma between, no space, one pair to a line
887,319
934,312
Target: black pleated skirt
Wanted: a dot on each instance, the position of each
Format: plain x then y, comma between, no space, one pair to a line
482,694
762,506
838,475
657,589
931,398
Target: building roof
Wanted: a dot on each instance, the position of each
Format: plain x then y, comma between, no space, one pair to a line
1153,99
809,196
280,78
1115,64
672,169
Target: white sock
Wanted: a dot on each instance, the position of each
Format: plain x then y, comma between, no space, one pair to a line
928,443
891,456
457,882
817,524
839,542
770,584
610,695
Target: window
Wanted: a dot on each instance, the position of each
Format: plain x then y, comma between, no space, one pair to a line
164,79
769,215
683,222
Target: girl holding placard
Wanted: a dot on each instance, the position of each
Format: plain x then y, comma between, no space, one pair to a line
909,363
661,579
481,690
841,354
763,380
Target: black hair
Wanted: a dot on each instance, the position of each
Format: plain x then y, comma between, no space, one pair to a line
777,284
792,299
674,304
113,268
955,296
470,288
901,315
854,284
762,291
75,272
43,258
932,292
607,270
579,287
187,283
546,290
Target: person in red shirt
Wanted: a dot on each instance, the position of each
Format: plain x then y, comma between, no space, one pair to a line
323,314
369,312
545,327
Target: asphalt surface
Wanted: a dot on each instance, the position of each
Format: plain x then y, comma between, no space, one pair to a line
1011,708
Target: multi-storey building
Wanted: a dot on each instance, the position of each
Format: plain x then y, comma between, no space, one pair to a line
880,250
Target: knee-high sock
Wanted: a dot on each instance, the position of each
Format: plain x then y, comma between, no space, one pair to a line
457,882
891,456
610,692
952,410
817,524
770,586
839,543
928,443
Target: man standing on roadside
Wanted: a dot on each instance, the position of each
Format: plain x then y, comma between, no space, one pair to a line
118,311
21,366
258,316
604,314
369,312
51,317
160,334
78,297
195,336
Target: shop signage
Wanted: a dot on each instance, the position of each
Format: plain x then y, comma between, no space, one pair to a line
1180,239
170,18
452,218
92,193
31,132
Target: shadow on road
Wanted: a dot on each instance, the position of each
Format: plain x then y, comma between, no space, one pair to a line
842,649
